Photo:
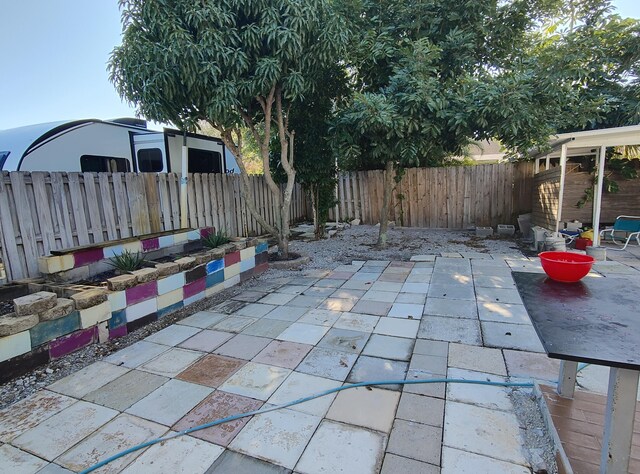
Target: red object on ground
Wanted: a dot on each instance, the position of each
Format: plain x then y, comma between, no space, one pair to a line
582,244
566,267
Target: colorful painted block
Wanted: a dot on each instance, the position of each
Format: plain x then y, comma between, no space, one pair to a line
195,287
262,247
194,274
247,264
141,292
170,298
117,332
180,238
194,298
117,300
115,250
228,283
49,330
231,271
95,314
170,283
206,232
165,241
15,345
77,340
118,319
215,278
139,310
150,244
170,309
193,235
214,266
263,267
55,264
86,257
141,322
262,258
247,253
213,290
231,258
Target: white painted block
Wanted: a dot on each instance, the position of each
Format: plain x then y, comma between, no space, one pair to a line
247,264
117,300
231,271
14,345
170,283
214,289
167,299
247,253
194,298
165,241
92,316
232,281
139,310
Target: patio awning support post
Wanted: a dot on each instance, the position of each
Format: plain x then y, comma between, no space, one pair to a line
597,199
563,172
184,223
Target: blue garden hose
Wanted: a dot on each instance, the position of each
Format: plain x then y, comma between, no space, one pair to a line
296,402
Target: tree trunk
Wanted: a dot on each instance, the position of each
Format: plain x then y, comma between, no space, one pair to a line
386,199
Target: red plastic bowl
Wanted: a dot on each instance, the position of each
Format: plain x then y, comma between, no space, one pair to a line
567,267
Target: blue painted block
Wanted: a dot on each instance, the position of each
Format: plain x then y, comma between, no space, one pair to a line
165,241
194,298
49,330
170,309
215,278
193,235
118,318
247,264
215,265
262,247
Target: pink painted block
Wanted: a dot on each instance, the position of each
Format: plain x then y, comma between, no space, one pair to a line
195,287
77,340
206,231
86,257
231,258
150,244
263,267
118,332
141,292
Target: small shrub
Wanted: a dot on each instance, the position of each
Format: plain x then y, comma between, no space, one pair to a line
127,261
216,239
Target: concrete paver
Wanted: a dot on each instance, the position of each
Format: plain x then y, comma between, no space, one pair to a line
233,324
203,319
126,390
465,331
397,327
236,463
16,461
416,441
283,354
255,380
389,347
511,336
357,322
206,340
243,346
336,447
456,461
355,407
394,464
503,312
171,362
320,317
303,333
374,369
480,359
88,379
344,340
298,385
328,363
421,409
136,354
211,370
495,398
173,335
445,307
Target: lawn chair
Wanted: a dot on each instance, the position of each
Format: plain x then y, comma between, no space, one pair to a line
630,225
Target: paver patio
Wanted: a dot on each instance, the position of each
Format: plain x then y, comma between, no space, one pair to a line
436,316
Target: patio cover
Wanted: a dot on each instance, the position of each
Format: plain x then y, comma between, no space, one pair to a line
590,142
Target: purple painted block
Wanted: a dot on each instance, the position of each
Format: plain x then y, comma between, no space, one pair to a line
194,288
141,292
86,257
118,332
150,244
206,231
73,342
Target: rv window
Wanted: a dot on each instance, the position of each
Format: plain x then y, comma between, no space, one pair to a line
104,164
3,158
204,161
150,160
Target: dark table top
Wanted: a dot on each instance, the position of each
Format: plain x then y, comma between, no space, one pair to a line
595,320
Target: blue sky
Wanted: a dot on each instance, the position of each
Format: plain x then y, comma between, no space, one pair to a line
54,54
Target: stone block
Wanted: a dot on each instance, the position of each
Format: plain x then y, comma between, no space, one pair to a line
214,266
34,303
11,324
194,274
68,344
170,298
228,248
85,257
117,300
252,242
186,263
122,282
167,269
215,278
231,271
190,289
170,283
88,298
48,330
142,292
75,274
118,318
15,345
92,316
217,253
56,263
201,257
145,275
240,244
142,309
62,308
231,259
484,231
247,253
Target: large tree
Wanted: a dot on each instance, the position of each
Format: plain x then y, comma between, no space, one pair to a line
235,64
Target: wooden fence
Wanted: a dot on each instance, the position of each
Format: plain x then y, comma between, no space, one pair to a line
40,211
547,190
456,197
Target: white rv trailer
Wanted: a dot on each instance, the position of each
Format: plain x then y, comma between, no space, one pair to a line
124,145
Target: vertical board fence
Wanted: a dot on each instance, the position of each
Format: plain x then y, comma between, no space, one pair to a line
42,211
456,197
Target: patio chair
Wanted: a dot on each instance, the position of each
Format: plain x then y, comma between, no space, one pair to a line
630,225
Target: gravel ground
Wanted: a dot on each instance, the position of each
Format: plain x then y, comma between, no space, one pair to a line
351,243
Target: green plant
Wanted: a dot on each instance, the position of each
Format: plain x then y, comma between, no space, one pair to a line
216,239
127,261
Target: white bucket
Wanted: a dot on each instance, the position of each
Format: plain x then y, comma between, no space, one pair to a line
555,243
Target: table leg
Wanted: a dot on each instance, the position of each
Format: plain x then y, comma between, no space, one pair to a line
618,421
567,379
